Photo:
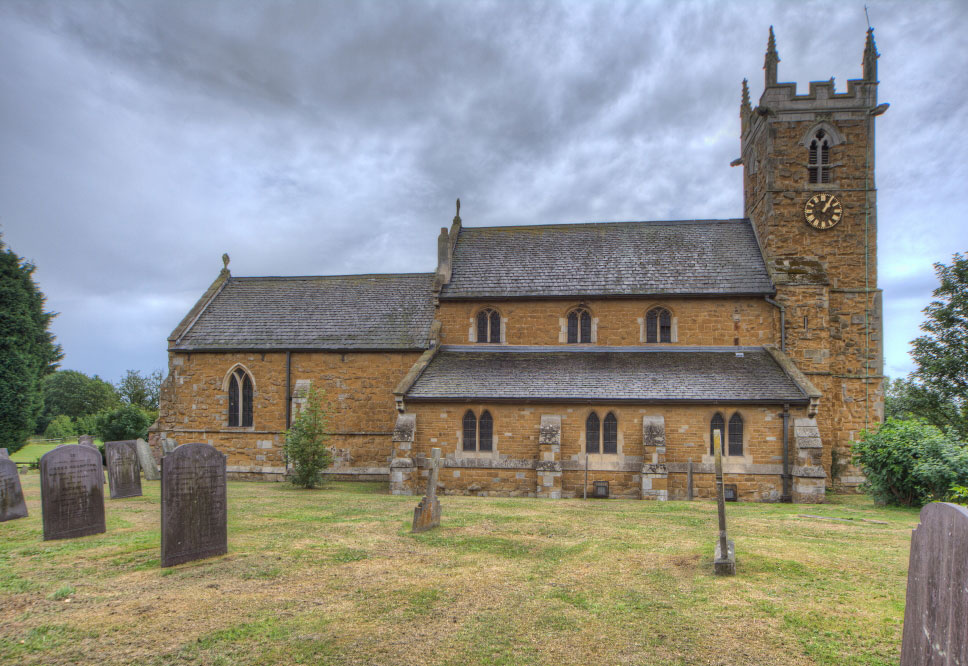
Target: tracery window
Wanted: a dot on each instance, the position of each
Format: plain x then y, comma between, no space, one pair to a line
818,165
717,423
658,325
478,433
240,399
732,439
579,326
488,326
599,438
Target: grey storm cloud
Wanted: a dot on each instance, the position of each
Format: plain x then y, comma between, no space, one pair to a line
140,140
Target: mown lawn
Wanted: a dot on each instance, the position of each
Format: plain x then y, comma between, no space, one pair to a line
333,576
32,451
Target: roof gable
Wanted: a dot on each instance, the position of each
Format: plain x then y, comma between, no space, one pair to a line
698,257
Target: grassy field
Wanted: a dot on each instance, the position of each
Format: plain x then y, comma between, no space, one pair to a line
333,576
32,451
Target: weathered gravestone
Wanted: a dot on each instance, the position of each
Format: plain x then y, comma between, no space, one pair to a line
124,471
86,440
4,454
427,514
167,446
146,460
724,563
193,504
72,492
11,494
936,611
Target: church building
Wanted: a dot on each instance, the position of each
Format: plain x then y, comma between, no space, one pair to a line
551,360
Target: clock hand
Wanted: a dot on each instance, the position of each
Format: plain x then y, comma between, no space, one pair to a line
830,201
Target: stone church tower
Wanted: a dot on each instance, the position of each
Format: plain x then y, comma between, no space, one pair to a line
809,190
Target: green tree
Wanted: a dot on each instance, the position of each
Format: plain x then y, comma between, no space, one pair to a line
306,443
74,394
61,427
125,422
141,390
910,399
941,353
27,349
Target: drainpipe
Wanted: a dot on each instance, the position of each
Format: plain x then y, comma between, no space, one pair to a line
782,322
785,497
288,390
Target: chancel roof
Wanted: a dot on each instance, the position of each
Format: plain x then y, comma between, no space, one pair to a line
612,374
698,257
391,311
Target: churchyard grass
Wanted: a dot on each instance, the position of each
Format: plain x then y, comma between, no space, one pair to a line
333,576
32,452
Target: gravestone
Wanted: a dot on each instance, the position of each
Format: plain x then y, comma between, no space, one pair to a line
4,454
936,612
724,563
12,503
146,461
427,514
86,440
167,446
193,504
124,472
72,492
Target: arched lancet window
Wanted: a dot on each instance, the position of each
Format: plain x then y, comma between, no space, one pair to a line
240,399
592,433
486,433
488,326
579,326
610,434
818,165
658,325
470,431
736,435
717,423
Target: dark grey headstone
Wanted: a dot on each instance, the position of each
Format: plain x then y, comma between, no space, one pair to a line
124,470
72,492
193,504
936,610
86,440
11,495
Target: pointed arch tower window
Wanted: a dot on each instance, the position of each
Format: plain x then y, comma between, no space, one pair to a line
818,165
240,399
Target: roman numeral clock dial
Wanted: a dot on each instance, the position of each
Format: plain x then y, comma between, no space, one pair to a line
823,211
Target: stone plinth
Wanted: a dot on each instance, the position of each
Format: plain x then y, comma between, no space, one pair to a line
809,477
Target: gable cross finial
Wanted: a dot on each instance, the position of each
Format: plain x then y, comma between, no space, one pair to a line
772,58
225,261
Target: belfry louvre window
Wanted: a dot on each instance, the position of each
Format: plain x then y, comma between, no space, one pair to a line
658,325
579,326
818,166
599,438
240,399
478,434
488,326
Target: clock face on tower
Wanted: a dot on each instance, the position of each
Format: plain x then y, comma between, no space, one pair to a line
823,211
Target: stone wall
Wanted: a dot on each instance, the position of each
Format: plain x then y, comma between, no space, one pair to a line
513,465
357,395
618,322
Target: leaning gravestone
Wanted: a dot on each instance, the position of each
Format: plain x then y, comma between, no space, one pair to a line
11,494
146,460
72,492
193,504
426,515
936,611
86,440
124,471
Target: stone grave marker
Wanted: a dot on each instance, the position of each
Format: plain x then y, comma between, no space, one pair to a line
72,492
936,611
724,563
427,514
124,471
167,446
146,461
86,440
4,454
12,503
193,504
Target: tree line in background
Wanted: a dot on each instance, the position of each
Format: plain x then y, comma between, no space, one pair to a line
36,397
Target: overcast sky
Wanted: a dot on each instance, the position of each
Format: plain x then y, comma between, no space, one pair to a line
141,140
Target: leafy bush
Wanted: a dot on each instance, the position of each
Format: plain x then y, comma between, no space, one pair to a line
86,425
910,463
958,495
60,427
306,443
126,422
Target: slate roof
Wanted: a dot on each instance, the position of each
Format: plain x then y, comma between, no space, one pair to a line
718,257
392,311
587,374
